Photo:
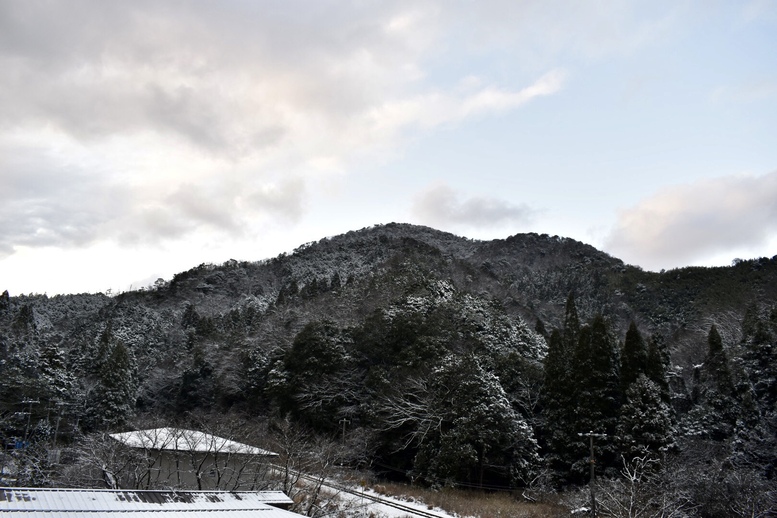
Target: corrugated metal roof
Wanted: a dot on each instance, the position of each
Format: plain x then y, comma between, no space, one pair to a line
185,440
67,503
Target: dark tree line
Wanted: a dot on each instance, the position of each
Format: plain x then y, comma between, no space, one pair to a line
594,385
439,385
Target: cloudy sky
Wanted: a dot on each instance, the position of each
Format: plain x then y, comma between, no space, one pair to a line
139,139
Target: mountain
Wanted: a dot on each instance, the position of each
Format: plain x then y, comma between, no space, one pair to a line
355,325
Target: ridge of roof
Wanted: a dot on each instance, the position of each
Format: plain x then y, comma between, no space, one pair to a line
66,501
179,439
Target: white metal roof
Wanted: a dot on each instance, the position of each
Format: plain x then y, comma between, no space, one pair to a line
185,440
72,503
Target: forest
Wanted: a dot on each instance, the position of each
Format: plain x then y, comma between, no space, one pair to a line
419,356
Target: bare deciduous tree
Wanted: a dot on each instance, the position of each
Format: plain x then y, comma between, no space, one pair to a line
641,491
410,408
306,466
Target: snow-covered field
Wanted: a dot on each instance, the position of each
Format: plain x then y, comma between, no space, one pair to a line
363,504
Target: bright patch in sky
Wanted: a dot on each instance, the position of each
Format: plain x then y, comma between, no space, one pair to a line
140,139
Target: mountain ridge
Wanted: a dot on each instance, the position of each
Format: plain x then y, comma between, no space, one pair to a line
352,325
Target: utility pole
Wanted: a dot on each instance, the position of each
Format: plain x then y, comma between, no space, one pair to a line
591,436
29,417
344,422
60,406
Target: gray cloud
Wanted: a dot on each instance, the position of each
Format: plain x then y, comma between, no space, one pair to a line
44,202
230,77
220,76
227,209
146,121
284,199
685,223
221,207
41,205
442,207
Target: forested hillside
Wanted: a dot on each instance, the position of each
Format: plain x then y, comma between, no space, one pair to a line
439,359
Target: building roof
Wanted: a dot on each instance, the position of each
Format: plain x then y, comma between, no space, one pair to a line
72,503
179,439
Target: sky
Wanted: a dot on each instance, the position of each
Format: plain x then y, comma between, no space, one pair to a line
141,139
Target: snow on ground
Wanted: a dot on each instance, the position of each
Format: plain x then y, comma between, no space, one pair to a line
362,506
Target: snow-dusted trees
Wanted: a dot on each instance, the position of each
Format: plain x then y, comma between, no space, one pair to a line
634,357
118,386
643,489
589,386
597,393
420,378
645,424
112,400
755,442
304,464
478,436
557,395
714,413
57,383
646,421
315,381
581,394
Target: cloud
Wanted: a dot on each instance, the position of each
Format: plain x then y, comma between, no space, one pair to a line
441,207
220,77
684,224
285,199
438,108
236,79
41,205
62,195
141,122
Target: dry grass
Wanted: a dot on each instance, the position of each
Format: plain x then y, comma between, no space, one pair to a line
474,503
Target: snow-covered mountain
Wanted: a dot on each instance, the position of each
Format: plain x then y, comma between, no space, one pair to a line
373,323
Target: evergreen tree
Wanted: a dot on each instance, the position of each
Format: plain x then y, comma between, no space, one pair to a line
751,321
539,326
113,400
597,394
5,302
645,423
316,384
197,388
716,368
336,282
24,322
714,413
634,359
557,405
760,345
755,441
559,429
571,324
56,381
119,381
658,365
478,429
104,345
190,317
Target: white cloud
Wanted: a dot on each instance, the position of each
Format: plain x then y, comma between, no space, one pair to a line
141,122
686,224
442,207
386,122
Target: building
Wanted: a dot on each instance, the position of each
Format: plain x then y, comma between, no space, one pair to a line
75,503
187,459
